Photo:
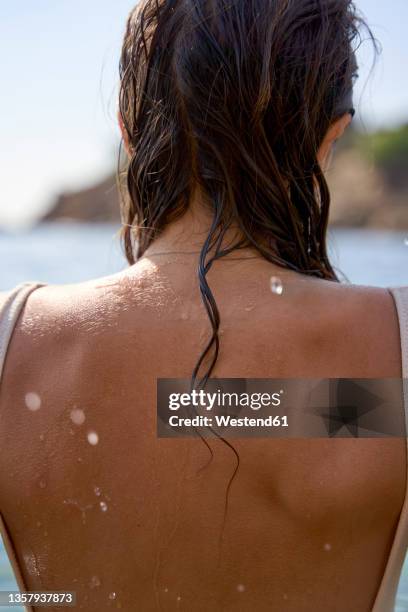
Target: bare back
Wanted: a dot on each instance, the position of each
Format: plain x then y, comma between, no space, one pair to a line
96,503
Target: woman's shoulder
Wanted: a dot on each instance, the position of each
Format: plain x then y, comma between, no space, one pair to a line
100,296
357,323
55,306
62,327
361,305
97,303
362,326
337,329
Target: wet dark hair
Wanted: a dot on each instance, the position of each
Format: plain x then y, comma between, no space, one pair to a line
234,97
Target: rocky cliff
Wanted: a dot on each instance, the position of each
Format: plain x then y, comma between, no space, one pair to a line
98,202
368,181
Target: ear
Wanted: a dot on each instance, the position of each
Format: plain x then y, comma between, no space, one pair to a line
124,134
335,131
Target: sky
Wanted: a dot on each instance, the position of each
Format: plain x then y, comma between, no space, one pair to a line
59,74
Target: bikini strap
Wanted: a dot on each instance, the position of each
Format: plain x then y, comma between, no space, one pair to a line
13,303
401,300
400,295
386,595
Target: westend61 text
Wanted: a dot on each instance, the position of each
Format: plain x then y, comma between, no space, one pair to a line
227,421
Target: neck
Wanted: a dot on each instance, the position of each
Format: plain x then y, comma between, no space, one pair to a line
188,233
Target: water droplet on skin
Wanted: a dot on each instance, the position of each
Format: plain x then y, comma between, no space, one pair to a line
249,308
79,459
97,491
276,285
38,523
82,509
31,564
33,401
184,316
166,590
327,546
45,533
94,582
112,595
41,437
178,598
103,505
77,416
240,588
285,596
93,438
42,484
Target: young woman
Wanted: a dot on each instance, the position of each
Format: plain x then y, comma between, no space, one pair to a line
229,111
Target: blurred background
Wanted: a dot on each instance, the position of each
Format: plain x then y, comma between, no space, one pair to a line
59,213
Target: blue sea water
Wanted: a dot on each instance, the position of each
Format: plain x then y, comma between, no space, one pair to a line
68,253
